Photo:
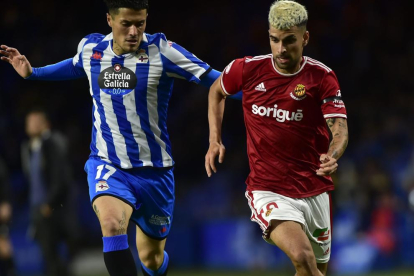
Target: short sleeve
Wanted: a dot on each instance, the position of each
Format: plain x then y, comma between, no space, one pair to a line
232,77
180,63
332,105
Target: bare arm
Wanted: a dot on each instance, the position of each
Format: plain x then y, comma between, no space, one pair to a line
216,100
18,61
339,130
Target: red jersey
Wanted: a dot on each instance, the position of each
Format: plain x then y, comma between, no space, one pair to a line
285,117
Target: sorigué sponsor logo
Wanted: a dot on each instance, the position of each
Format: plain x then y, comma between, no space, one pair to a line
279,114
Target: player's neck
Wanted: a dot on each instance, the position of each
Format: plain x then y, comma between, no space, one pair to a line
117,49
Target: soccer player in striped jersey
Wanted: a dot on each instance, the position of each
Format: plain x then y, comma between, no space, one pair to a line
130,169
288,102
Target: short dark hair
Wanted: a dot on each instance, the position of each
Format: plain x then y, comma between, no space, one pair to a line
39,110
114,5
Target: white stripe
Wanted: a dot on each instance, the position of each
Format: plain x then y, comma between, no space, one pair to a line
135,121
180,60
258,58
320,64
108,37
100,142
87,52
222,85
80,48
154,74
334,115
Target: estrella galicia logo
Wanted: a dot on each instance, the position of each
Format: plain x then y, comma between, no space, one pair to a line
117,80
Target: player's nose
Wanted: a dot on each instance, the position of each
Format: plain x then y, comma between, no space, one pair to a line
281,48
133,31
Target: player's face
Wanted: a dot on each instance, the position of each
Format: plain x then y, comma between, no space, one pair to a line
128,27
36,123
287,47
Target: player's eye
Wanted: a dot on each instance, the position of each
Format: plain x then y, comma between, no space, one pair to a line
290,40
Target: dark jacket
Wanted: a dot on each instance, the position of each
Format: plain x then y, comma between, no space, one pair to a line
54,167
4,183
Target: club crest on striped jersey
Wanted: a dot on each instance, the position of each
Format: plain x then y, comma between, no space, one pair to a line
117,80
101,186
142,56
299,93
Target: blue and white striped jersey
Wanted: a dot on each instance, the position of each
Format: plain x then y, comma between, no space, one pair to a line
130,96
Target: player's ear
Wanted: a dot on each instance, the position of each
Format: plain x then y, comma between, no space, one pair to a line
109,19
305,39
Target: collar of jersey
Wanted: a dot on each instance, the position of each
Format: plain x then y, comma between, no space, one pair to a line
305,59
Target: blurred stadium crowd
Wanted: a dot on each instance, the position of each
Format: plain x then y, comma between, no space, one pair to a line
367,44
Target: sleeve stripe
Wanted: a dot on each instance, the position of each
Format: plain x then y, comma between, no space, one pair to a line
335,115
206,72
222,85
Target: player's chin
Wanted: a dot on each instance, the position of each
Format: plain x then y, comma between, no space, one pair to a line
283,65
131,47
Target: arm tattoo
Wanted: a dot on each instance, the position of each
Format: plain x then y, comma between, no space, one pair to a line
339,130
330,123
122,224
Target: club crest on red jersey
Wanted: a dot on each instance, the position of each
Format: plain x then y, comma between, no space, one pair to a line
299,93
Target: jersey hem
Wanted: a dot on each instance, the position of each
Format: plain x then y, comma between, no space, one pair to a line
151,236
283,193
118,197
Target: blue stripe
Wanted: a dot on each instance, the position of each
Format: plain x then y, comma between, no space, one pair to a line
142,70
124,125
106,131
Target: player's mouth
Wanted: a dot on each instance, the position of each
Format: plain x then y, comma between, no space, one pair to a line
132,42
283,60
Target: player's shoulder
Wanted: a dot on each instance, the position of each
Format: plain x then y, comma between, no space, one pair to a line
257,59
93,38
252,63
96,37
317,66
154,38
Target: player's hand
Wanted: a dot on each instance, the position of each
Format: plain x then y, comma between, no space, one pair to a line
18,61
214,150
328,165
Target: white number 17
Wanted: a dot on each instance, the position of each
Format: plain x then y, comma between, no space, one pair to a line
111,171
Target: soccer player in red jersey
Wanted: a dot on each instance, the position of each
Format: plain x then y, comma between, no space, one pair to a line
291,103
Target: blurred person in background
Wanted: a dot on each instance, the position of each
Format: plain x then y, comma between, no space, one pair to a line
46,165
130,169
6,251
288,102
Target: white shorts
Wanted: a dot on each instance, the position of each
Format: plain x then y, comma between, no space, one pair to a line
313,213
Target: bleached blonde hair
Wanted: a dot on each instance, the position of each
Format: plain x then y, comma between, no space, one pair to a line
284,14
